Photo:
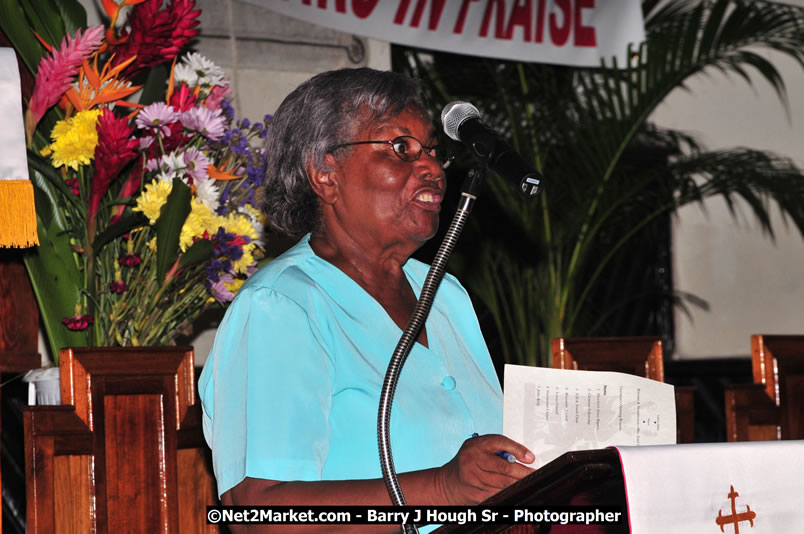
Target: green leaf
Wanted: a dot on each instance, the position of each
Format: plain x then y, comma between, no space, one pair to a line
55,277
155,85
199,251
168,227
46,170
73,14
45,20
126,223
18,30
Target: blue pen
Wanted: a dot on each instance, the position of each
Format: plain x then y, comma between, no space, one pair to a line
502,454
506,455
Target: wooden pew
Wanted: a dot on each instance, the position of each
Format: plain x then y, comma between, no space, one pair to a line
773,406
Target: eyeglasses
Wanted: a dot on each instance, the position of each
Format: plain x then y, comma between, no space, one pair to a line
407,148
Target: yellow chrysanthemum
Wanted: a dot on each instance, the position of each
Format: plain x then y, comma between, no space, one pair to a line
236,223
201,219
74,140
241,266
151,200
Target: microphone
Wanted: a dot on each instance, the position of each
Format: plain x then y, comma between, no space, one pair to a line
462,123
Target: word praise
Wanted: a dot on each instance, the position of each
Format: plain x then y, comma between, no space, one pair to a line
558,22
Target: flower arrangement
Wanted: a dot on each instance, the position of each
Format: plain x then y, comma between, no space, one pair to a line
146,210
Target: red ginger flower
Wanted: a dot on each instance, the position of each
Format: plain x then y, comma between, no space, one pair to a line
156,36
130,186
114,151
57,71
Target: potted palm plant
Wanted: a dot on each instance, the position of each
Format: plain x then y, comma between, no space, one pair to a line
586,258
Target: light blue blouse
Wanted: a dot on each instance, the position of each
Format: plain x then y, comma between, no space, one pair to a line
291,388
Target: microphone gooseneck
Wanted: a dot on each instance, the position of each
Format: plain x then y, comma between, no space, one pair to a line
409,335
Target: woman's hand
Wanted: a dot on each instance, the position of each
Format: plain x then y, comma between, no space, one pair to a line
477,472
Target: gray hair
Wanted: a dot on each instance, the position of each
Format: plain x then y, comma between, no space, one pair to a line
325,110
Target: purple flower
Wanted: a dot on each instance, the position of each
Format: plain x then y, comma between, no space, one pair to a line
158,117
219,286
219,290
197,163
228,110
146,142
224,198
211,124
229,245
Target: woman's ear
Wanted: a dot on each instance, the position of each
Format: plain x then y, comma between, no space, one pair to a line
324,181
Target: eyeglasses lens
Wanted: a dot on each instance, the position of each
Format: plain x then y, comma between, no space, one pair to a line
409,148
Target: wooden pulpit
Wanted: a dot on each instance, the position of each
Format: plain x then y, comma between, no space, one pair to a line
124,452
579,478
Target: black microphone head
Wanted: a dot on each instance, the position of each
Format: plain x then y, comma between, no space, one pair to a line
454,114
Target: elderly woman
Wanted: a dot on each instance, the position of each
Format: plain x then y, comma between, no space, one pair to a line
291,387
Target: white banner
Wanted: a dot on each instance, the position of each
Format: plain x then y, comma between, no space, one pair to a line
568,32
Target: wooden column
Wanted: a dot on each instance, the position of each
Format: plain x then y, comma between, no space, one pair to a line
124,452
19,320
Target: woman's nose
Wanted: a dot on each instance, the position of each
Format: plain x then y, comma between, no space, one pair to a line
429,168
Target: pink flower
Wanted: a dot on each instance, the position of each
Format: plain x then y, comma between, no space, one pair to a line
218,94
183,99
57,71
